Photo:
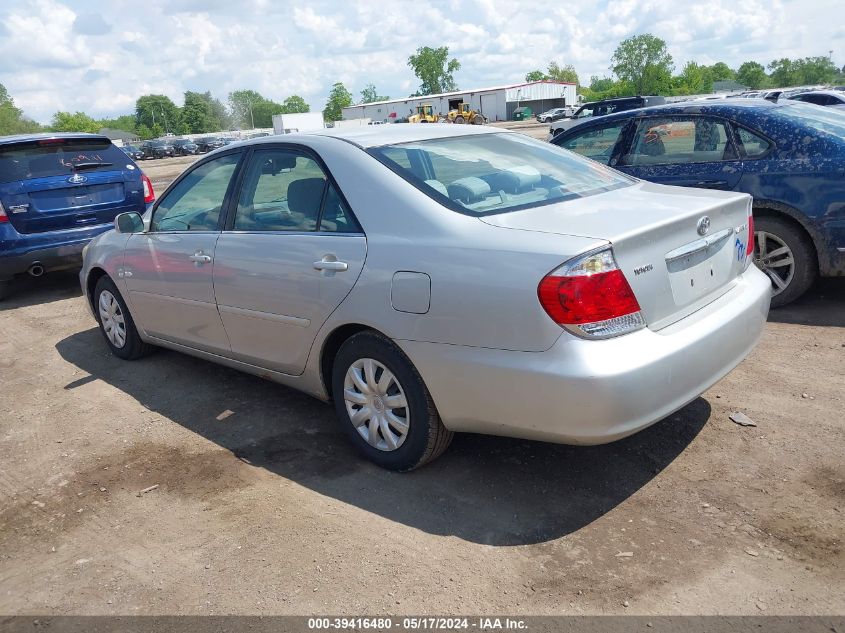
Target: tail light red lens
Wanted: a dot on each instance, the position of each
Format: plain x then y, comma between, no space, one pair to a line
149,194
749,247
3,216
591,297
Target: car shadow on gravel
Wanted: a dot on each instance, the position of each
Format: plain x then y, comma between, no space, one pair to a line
824,304
30,291
490,490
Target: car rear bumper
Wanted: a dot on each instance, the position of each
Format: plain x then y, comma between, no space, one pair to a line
54,252
593,392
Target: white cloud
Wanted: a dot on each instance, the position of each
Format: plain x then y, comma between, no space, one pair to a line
99,57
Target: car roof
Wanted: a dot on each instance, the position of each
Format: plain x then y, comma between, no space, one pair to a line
23,138
834,93
375,136
711,106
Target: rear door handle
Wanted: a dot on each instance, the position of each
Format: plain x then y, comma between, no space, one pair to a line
712,184
200,258
336,266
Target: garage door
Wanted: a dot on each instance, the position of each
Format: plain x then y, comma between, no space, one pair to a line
488,106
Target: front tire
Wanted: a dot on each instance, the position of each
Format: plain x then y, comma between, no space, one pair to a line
787,256
116,323
459,120
383,405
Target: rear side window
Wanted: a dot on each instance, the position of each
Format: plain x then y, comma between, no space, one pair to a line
58,157
595,143
753,146
672,140
491,173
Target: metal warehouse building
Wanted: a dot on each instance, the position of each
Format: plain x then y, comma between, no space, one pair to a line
497,104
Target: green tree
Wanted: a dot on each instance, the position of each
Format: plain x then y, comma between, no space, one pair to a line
75,122
197,113
603,84
644,62
751,74
12,120
694,79
720,71
535,75
294,104
370,95
339,98
567,73
242,104
264,110
817,70
221,114
157,112
785,72
434,68
125,122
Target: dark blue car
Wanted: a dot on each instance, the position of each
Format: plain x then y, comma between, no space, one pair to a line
789,156
57,192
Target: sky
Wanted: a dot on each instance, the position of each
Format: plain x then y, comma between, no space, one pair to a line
99,57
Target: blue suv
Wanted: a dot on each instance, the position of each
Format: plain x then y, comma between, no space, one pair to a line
57,192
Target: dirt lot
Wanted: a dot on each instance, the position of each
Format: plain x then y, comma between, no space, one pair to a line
263,508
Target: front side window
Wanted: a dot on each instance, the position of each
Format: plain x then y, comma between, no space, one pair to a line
595,143
286,190
673,140
196,201
491,173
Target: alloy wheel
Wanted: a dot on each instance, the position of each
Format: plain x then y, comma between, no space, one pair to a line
775,258
376,404
111,316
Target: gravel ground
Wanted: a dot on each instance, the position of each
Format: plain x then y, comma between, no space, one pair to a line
261,507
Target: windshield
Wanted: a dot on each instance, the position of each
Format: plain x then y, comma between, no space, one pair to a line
829,120
486,174
58,157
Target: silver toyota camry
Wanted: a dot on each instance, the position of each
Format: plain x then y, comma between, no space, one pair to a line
436,279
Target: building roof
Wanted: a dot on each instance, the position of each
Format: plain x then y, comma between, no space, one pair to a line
123,135
462,92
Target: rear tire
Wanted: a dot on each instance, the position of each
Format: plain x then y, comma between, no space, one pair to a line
116,323
459,120
478,120
786,254
396,423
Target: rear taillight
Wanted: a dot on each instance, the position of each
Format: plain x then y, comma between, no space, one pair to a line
749,247
590,297
149,194
3,216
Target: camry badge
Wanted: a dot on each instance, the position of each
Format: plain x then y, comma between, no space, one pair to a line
703,225
77,179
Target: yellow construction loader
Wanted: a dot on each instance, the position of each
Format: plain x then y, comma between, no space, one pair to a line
425,114
465,114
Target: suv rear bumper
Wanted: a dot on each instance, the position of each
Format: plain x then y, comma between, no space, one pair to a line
593,392
53,251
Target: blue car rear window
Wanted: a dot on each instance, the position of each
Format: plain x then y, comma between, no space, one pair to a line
58,157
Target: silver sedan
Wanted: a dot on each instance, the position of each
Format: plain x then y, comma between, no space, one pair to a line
431,280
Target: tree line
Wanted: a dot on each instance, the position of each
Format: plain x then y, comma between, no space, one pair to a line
642,65
157,115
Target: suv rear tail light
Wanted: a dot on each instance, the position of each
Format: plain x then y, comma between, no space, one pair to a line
149,194
590,297
3,216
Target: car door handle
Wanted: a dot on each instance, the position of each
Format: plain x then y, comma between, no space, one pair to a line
336,266
200,258
712,184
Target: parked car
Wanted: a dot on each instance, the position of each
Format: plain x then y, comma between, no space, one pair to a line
184,147
602,108
57,191
829,98
789,156
522,291
208,143
133,152
554,114
157,148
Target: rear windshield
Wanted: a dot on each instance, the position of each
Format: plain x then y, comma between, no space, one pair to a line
829,120
51,157
492,173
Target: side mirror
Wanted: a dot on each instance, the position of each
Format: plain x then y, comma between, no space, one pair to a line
129,223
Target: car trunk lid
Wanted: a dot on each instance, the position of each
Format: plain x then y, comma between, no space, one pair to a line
54,184
678,248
